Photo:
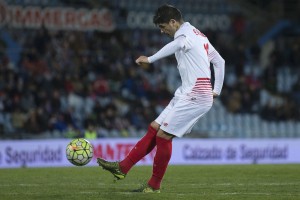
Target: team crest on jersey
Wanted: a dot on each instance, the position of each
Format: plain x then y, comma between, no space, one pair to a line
165,124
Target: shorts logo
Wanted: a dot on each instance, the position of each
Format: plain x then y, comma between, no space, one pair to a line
165,124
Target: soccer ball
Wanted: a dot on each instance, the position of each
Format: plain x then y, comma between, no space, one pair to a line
79,152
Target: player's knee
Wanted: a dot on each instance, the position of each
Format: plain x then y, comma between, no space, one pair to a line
155,125
164,135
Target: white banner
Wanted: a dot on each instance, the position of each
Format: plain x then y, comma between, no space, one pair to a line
234,151
51,153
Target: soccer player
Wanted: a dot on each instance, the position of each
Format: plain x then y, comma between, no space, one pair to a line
191,101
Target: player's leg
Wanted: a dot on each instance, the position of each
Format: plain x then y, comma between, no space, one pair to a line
179,121
161,159
141,149
144,146
160,164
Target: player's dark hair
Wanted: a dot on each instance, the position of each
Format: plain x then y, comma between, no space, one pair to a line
165,13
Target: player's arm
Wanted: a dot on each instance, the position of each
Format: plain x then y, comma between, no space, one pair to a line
219,68
167,50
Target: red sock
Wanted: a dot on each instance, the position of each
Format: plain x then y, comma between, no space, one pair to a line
161,161
141,149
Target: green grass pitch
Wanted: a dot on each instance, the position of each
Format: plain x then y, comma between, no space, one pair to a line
181,182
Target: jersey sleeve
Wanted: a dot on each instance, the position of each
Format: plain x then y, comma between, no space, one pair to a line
169,49
219,68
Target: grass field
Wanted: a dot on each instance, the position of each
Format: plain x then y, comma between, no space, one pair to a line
181,182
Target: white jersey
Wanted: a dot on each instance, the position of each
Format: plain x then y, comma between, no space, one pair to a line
194,97
194,53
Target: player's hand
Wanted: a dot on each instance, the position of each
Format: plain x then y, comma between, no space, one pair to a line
143,61
215,95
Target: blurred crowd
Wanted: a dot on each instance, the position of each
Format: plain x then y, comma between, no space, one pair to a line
73,83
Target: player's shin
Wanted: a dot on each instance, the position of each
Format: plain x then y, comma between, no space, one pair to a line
161,161
141,149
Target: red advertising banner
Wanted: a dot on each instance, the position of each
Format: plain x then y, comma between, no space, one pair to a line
57,18
51,153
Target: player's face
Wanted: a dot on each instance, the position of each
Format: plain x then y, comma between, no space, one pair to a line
168,28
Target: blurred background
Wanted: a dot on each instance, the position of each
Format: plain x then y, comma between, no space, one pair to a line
67,68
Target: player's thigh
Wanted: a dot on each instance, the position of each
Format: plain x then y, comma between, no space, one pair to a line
183,116
165,112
